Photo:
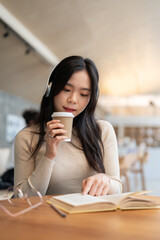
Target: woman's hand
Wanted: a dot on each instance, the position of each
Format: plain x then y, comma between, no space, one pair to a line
96,185
53,136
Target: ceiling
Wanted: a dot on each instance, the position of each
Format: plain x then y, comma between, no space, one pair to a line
121,36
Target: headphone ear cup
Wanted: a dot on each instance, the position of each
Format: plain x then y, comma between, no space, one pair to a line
48,89
97,94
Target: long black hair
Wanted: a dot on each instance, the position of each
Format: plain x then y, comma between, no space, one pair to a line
87,129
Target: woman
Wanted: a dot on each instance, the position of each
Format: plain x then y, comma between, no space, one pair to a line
89,163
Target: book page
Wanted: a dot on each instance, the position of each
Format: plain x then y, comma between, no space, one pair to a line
77,199
141,201
118,199
115,198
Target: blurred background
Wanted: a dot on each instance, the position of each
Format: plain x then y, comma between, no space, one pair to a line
122,37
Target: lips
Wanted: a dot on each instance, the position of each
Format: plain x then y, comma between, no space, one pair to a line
68,109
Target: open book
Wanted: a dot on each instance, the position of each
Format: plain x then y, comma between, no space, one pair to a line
78,203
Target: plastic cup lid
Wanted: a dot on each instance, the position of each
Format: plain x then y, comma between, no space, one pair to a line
62,114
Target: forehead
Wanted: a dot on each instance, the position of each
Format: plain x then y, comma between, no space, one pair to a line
80,79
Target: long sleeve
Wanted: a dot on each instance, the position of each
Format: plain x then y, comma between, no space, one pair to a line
111,160
30,171
65,174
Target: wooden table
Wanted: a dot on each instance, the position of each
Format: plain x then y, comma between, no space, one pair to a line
44,223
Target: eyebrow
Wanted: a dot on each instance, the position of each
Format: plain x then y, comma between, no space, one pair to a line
87,89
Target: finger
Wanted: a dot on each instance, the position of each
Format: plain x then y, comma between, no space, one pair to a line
87,186
99,190
54,126
56,132
83,184
105,190
52,122
93,189
53,134
57,139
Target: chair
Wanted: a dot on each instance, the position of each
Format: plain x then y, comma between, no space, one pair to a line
126,163
132,163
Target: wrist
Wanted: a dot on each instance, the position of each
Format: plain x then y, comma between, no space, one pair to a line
49,156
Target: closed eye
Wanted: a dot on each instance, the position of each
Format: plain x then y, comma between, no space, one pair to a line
84,95
66,90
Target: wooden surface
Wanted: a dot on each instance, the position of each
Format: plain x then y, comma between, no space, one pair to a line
44,223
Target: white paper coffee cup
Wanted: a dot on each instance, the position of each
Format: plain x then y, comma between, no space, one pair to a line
66,118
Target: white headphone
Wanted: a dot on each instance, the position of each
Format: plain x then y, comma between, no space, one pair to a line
48,89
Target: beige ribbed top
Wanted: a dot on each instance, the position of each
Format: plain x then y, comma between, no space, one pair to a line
69,168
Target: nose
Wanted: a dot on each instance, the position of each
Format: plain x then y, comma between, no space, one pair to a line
73,98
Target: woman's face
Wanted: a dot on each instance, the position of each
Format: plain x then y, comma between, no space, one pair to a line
76,94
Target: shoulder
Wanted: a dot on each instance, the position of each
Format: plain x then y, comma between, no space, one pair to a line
105,125
26,134
106,129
